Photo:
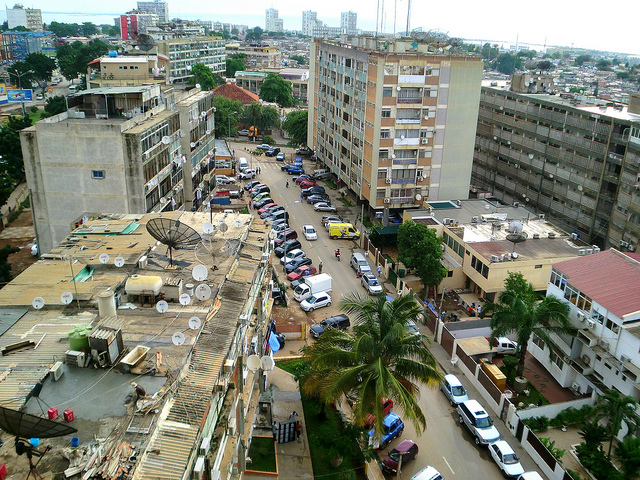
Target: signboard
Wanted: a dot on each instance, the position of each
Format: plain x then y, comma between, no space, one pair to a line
3,89
20,95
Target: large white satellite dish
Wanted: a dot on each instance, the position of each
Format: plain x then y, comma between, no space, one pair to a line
38,303
185,299
178,339
237,223
104,258
267,363
66,298
119,262
207,228
199,273
203,292
418,197
253,362
194,323
162,306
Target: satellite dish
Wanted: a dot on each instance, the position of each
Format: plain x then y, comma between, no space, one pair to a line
253,363
567,89
199,273
163,200
178,339
197,85
222,226
38,303
194,323
66,298
145,42
418,197
237,223
162,306
172,233
185,299
207,228
166,140
104,258
398,88
580,187
119,262
516,226
209,133
24,425
203,292
526,84
267,363
401,137
193,145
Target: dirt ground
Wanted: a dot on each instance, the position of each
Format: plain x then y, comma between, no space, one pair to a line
20,233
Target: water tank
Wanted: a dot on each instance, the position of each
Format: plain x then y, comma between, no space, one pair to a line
79,338
107,304
143,284
113,53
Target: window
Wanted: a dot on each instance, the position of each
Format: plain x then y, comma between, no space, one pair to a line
382,174
382,154
380,193
387,91
407,133
556,360
386,113
385,134
538,266
614,327
538,342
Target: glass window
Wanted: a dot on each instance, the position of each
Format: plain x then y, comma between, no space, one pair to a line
386,113
387,91
385,134
97,174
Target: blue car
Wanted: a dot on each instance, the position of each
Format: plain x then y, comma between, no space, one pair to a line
295,170
393,427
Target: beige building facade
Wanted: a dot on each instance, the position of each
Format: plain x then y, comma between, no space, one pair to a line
128,70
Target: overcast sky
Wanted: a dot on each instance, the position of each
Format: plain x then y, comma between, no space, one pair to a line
601,26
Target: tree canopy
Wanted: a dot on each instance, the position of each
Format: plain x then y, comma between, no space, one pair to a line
202,75
260,116
581,59
277,89
617,409
234,65
86,29
507,63
255,33
74,58
299,58
226,115
55,105
296,127
419,248
545,65
12,166
21,75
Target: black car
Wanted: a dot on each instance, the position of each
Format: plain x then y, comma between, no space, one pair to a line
341,322
295,263
319,197
304,151
262,202
286,246
312,191
272,152
272,211
251,184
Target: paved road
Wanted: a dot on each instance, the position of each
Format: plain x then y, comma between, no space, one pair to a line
445,444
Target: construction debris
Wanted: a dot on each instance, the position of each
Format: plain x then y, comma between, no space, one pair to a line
106,460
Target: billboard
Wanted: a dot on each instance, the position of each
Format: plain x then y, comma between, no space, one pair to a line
20,95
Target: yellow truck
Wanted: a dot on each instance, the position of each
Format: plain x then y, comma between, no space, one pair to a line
343,230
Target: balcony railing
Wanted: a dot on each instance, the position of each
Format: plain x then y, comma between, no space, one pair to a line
410,100
401,200
405,161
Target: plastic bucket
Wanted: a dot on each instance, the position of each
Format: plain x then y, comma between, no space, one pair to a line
75,441
34,442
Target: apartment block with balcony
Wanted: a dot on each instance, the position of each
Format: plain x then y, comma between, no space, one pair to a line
184,53
119,149
605,309
127,70
257,56
579,165
393,121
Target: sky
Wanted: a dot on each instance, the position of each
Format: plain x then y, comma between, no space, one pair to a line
563,22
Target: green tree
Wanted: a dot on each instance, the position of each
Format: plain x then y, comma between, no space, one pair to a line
489,52
55,105
581,59
21,75
419,248
603,65
617,409
506,63
628,453
296,127
74,58
254,34
42,66
379,359
251,112
12,164
201,74
299,58
545,65
226,115
233,65
519,310
88,29
593,434
528,53
110,30
5,267
267,119
277,89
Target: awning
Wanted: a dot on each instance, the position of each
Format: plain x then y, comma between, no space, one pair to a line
390,230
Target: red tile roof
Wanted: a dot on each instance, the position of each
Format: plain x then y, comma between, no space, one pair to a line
611,278
234,92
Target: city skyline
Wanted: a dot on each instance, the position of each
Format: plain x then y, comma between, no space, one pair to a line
565,25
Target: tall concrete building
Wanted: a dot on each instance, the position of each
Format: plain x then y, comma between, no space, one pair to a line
349,22
156,7
135,23
117,149
578,165
309,19
30,18
393,121
184,53
272,22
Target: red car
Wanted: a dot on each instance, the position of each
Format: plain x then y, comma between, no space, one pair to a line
266,207
302,178
308,183
300,272
407,449
387,405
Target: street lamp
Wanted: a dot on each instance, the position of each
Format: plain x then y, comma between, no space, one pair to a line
19,75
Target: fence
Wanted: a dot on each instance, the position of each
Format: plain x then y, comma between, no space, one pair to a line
18,196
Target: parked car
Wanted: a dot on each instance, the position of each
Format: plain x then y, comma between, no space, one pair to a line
506,459
286,167
406,449
359,263
272,152
243,133
302,271
304,151
325,207
251,184
296,263
264,146
308,183
318,197
286,235
393,427
341,322
309,232
248,173
504,346
40,96
387,405
224,180
222,164
266,208
371,283
286,246
313,302
453,389
475,418
279,225
263,202
278,215
316,189
302,178
427,473
292,255
325,218
533,475
260,196
295,170
280,157
272,211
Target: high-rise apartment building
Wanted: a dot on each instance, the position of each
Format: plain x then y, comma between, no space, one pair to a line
392,120
184,53
272,22
156,7
309,19
349,22
135,23
30,18
580,166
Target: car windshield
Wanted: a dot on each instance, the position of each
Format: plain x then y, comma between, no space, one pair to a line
312,299
373,282
394,455
310,230
484,422
458,391
510,459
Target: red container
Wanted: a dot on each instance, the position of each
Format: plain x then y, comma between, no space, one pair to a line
3,471
53,413
68,415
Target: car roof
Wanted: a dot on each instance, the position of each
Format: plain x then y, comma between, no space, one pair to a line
390,418
340,316
504,447
427,473
452,380
404,446
369,275
295,250
475,408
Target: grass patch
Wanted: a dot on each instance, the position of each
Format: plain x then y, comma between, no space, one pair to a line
26,203
263,454
534,397
346,201
330,183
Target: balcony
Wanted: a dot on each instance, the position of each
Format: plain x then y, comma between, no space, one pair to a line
405,161
588,338
407,121
403,180
410,100
401,200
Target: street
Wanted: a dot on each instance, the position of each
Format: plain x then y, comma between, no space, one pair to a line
445,444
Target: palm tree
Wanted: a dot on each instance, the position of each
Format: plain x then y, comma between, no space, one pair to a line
593,434
617,409
380,359
519,310
628,453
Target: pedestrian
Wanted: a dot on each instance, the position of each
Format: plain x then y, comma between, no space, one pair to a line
301,197
357,273
293,416
379,270
299,429
320,267
274,429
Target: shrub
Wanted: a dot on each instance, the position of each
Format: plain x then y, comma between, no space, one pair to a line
537,424
558,453
572,416
269,139
597,463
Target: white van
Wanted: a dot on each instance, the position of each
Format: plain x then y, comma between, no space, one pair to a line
242,164
74,88
359,263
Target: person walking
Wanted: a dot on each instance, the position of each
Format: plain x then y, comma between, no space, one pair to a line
293,416
274,430
320,267
379,270
298,429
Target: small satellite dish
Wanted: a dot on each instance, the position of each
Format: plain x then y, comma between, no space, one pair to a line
237,223
38,303
163,200
567,89
104,258
267,363
178,339
185,299
209,133
401,137
199,273
222,226
398,88
194,323
203,292
207,228
166,140
418,197
119,262
580,187
526,84
197,85
253,363
162,306
193,144
66,298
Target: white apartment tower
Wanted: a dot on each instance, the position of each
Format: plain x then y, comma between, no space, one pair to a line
157,7
309,19
272,22
30,18
349,22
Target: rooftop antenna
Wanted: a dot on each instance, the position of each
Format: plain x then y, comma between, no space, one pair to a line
408,16
172,233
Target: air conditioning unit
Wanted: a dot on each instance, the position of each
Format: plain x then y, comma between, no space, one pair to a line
604,345
575,386
425,141
596,248
56,371
624,359
592,325
574,236
474,219
143,261
582,251
199,466
624,244
228,365
243,319
495,258
581,316
387,200
388,180
75,358
445,221
264,259
205,445
231,426
586,359
589,251
221,386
